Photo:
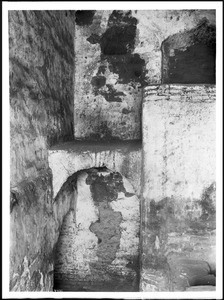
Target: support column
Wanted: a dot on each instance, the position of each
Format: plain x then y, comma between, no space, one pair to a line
178,205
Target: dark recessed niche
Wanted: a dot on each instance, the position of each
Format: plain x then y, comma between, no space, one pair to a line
194,65
189,57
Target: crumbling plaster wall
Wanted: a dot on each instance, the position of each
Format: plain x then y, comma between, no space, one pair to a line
108,104
117,53
98,247
179,175
41,55
65,159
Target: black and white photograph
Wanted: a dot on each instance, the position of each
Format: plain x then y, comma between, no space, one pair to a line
112,150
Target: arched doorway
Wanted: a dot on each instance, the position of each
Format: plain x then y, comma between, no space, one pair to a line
98,246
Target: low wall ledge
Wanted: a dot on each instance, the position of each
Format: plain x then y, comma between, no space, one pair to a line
97,146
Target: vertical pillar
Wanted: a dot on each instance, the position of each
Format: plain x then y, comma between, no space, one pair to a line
178,205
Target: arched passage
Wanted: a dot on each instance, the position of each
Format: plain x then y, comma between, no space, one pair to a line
98,245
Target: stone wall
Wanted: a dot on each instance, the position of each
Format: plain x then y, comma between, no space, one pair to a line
65,159
118,53
36,222
178,208
41,55
98,247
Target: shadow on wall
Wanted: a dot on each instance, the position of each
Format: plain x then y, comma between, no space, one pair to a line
98,246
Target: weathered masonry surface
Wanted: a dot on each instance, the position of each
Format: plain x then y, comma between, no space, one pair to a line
98,248
112,150
176,166
41,54
178,209
67,158
119,52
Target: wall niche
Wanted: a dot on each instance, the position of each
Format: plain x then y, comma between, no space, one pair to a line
189,57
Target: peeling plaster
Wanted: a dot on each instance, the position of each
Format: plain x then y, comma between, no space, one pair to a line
99,247
178,134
